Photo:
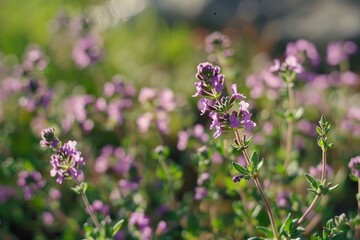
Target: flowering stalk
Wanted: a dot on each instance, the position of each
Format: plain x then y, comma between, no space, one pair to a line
256,179
288,71
290,127
224,119
354,166
319,187
66,162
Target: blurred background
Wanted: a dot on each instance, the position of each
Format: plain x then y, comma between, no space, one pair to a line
60,49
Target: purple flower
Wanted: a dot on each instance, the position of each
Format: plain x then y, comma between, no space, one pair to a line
144,122
203,177
217,82
275,67
47,218
291,63
48,138
302,49
75,110
235,94
183,138
199,133
210,80
207,105
200,193
354,166
99,206
216,158
114,157
216,41
215,124
66,162
237,178
283,199
6,193
234,121
139,220
86,51
30,182
317,170
161,228
34,58
339,51
54,194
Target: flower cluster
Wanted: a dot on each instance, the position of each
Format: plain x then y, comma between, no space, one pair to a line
354,166
218,43
142,222
159,103
30,182
210,87
114,158
66,160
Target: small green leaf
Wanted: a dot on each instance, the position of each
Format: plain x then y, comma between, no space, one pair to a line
254,159
311,180
333,187
268,232
260,164
240,168
117,227
299,112
313,191
318,130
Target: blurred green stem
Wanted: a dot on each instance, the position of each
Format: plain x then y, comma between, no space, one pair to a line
170,182
88,207
258,185
290,127
317,197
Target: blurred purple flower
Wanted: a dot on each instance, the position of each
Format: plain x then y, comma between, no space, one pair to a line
144,122
203,178
126,187
47,218
283,199
48,138
158,103
317,170
339,51
30,182
6,193
75,110
114,157
99,206
54,194
142,222
34,58
161,228
199,133
183,138
200,193
302,49
86,51
238,178
354,166
307,127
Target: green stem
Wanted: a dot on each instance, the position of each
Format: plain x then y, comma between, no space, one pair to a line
88,208
290,127
258,185
317,197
